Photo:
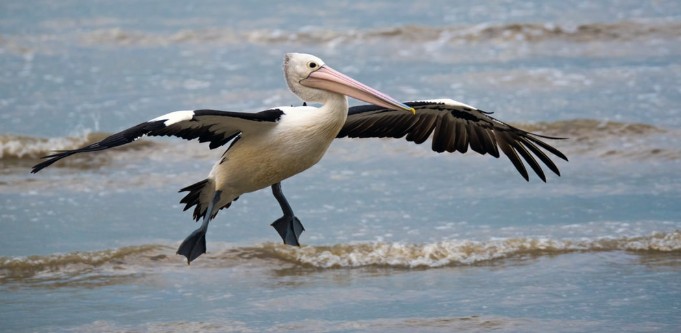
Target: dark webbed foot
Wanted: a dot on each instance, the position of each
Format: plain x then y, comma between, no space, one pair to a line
289,228
194,245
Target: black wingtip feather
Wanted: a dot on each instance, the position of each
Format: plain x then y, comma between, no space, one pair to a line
530,160
51,159
537,152
546,146
512,155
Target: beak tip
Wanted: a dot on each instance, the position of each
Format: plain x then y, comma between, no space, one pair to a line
413,111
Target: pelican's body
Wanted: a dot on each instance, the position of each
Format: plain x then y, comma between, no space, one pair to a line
301,139
298,142
270,146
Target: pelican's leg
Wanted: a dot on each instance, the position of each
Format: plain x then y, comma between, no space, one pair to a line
195,244
288,226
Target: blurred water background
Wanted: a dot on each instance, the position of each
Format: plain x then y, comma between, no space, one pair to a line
398,238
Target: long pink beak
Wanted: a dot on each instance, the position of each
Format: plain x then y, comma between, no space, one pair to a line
329,79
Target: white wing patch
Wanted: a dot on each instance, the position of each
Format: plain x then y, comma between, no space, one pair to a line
448,101
175,117
292,109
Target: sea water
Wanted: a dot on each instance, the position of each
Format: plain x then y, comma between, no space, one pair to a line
398,238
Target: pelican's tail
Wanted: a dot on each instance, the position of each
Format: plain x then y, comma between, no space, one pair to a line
197,191
200,195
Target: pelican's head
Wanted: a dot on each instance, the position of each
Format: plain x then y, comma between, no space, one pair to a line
312,80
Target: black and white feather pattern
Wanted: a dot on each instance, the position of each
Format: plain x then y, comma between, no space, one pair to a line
216,127
454,127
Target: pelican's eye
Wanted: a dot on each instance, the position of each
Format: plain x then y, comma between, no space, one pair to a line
312,65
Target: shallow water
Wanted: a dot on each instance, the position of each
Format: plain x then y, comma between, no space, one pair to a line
398,238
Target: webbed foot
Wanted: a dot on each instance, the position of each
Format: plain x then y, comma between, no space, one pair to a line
289,228
194,245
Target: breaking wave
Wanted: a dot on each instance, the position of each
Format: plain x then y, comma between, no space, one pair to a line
530,32
130,261
612,139
77,266
513,32
464,252
14,147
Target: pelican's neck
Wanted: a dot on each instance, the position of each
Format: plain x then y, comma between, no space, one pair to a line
328,120
336,103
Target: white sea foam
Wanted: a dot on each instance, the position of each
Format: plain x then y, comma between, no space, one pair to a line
129,261
527,32
14,146
28,147
466,252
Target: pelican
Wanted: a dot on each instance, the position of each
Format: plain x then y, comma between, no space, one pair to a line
270,146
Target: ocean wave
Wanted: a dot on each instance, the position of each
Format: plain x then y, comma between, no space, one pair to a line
529,32
463,252
511,32
63,267
18,147
472,323
612,139
136,259
579,128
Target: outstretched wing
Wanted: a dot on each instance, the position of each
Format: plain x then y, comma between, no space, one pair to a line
454,127
216,127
